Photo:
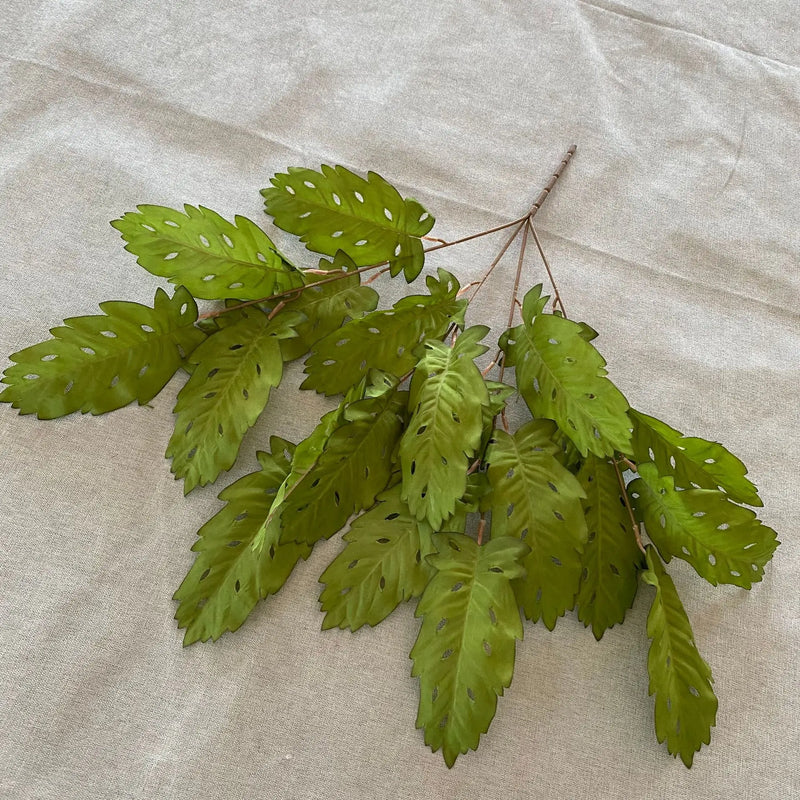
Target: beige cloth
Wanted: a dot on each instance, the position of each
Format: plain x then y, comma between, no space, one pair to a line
674,232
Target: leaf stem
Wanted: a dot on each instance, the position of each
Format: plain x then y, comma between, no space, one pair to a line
625,499
557,301
339,275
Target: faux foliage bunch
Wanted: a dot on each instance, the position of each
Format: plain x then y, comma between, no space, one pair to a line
417,445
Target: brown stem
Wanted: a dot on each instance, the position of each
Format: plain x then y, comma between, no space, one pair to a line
625,499
339,275
481,528
557,301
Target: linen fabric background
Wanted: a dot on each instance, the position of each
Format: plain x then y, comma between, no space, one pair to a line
674,232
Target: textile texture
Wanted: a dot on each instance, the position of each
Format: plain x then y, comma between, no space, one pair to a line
673,232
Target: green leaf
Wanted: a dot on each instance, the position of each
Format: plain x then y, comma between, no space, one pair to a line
562,377
384,340
327,306
235,370
537,500
228,576
382,565
464,653
210,256
724,542
686,707
102,362
447,396
338,210
690,460
611,559
354,467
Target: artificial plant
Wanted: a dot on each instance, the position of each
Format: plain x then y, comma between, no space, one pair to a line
418,445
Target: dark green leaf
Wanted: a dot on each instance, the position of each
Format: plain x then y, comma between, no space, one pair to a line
235,370
212,257
690,460
611,560
686,707
103,362
562,377
447,399
384,340
228,576
537,500
338,210
382,565
464,653
723,541
352,469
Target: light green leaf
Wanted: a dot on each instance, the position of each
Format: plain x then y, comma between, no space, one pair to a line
384,340
212,257
100,363
723,541
447,398
354,467
562,377
690,460
382,565
464,653
686,707
327,306
235,370
537,500
228,577
611,559
338,210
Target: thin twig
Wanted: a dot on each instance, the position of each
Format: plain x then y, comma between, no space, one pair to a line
498,257
340,274
514,301
556,296
625,499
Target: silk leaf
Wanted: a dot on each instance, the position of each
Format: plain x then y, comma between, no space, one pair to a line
723,541
102,362
211,257
611,559
327,306
690,460
464,653
228,576
354,467
447,398
235,370
336,209
538,501
382,565
384,340
685,703
561,376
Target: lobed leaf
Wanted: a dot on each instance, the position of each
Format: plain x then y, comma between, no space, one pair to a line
724,542
690,460
235,370
611,559
212,257
337,210
538,501
561,376
228,576
327,306
382,565
347,475
102,362
447,395
384,340
464,653
685,704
